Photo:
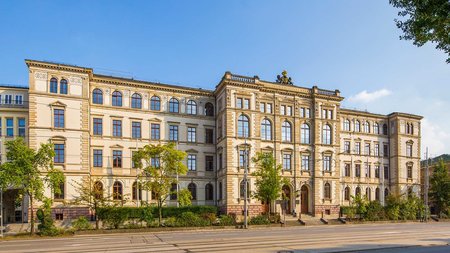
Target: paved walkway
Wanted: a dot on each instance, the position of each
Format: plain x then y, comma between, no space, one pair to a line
384,237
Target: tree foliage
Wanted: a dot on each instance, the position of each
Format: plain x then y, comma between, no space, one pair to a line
28,170
159,177
184,197
440,188
91,195
268,178
426,21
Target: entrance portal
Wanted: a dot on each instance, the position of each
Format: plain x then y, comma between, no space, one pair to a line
287,196
304,199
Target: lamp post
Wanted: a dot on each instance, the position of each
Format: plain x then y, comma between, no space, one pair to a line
245,181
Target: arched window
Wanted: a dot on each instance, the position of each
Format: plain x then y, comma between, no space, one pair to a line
243,126
117,191
97,96
63,86
386,193
136,101
173,192
326,134
193,189
155,103
98,190
346,125
376,128
209,109
327,191
209,193
358,191
117,98
242,189
385,129
347,193
366,127
286,131
136,193
191,107
368,193
357,126
305,134
174,105
377,194
53,85
266,130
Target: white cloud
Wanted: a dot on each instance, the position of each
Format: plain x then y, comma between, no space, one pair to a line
435,138
367,97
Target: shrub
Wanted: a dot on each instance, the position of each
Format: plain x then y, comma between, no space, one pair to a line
210,217
114,217
82,223
189,219
170,222
227,220
147,216
374,211
275,218
44,214
173,211
259,220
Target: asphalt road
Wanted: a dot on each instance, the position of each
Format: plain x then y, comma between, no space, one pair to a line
389,238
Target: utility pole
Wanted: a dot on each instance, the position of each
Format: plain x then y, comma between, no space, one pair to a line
426,188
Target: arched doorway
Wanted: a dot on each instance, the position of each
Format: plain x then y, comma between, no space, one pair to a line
304,198
287,196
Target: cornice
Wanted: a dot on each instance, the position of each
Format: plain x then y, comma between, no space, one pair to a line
58,66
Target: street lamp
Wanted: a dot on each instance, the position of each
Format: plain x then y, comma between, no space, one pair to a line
245,181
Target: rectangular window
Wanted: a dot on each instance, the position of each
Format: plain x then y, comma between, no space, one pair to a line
98,126
133,153
377,150
286,161
9,127
289,110
367,148
305,162
409,150
347,170
246,103
239,103
302,112
192,162
209,136
209,163
358,148
136,132
117,128
330,114
347,147
386,172
59,153
117,159
357,170
192,134
377,171
283,110
327,163
8,99
155,162
262,107
58,115
385,150
155,131
242,158
98,158
324,114
307,113
220,161
173,133
410,172
269,108
368,172
19,100
21,122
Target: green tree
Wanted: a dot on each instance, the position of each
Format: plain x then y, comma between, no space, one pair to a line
427,21
440,187
184,197
159,176
28,170
91,194
268,179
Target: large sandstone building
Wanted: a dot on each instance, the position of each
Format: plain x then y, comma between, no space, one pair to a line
327,153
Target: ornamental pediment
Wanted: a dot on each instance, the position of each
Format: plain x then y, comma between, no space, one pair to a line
58,104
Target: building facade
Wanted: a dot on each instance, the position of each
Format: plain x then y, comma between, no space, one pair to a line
328,153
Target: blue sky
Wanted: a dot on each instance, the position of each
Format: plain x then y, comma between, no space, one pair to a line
352,46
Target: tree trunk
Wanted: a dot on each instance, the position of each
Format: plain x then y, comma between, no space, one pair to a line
96,218
160,212
32,215
270,207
